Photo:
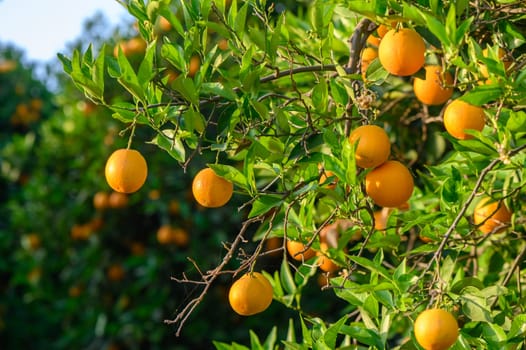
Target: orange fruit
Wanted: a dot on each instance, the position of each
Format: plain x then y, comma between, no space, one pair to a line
163,24
436,329
273,246
154,194
383,29
431,91
193,66
460,116
126,170
81,232
31,241
210,190
389,185
298,251
96,223
101,200
137,248
7,66
250,294
180,237
75,291
324,262
368,55
135,46
222,44
117,200
174,207
115,272
402,52
492,216
164,234
373,40
373,146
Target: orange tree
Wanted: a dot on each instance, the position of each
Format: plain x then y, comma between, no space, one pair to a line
267,93
91,264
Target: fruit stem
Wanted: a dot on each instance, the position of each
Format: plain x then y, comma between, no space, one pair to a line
132,134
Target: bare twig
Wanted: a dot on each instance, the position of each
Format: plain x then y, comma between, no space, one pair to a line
463,209
208,279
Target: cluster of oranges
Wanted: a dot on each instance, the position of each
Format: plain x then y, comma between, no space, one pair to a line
401,51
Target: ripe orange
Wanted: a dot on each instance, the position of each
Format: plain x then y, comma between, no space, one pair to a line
402,52
491,216
432,90
101,200
324,262
81,231
163,24
126,170
180,237
436,329
373,146
298,251
389,185
222,44
368,55
193,66
210,190
373,40
273,246
118,200
164,234
135,46
115,272
75,291
250,294
137,248
383,29
460,116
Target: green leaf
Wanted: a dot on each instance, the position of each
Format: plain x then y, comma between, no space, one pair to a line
66,63
366,336
518,327
517,121
174,54
218,89
482,94
186,87
241,19
331,334
320,96
264,203
127,77
230,173
475,306
97,71
194,120
255,344
287,280
146,71
168,141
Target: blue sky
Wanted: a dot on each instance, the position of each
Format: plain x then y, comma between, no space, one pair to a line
43,27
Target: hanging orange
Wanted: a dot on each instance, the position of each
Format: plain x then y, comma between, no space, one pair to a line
402,52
